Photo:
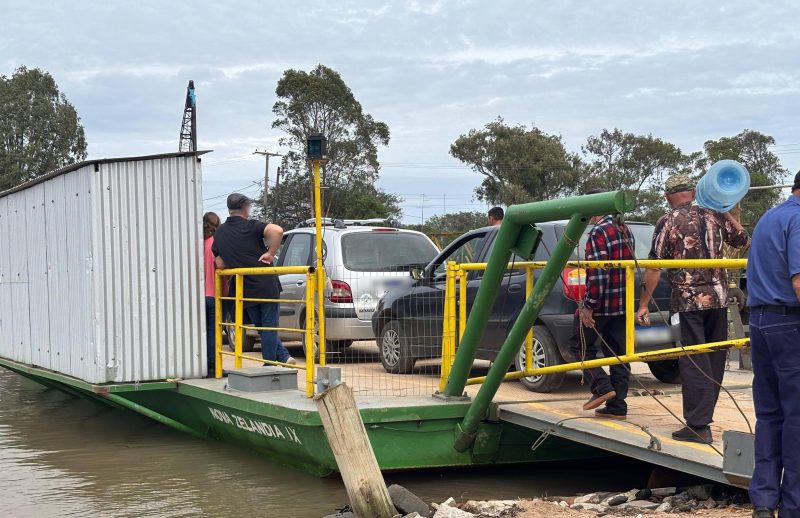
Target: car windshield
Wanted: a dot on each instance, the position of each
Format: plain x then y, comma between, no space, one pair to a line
382,251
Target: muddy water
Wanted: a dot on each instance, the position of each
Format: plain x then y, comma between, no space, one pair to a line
62,456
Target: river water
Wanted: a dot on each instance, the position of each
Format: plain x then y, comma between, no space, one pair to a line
65,456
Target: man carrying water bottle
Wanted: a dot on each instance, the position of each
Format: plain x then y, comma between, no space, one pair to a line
699,297
773,283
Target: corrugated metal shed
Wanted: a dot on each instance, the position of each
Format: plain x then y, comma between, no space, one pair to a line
101,273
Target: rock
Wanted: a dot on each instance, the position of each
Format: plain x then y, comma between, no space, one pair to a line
665,507
586,506
346,514
709,504
663,491
591,498
407,502
620,498
643,494
491,508
639,504
413,515
700,492
446,511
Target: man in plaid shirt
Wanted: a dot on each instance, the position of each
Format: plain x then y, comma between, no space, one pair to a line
603,311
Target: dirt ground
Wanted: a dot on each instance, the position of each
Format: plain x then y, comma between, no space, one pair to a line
542,509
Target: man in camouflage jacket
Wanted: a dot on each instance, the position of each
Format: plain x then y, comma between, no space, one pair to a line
699,296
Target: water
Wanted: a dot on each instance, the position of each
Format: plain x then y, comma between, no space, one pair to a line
63,456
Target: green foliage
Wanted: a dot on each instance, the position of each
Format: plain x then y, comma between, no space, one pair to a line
519,164
40,130
637,163
320,101
751,148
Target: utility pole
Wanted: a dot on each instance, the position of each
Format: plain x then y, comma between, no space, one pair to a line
188,136
266,155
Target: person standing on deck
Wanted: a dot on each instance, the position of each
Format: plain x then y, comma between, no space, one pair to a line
495,216
239,243
210,225
773,284
602,311
699,297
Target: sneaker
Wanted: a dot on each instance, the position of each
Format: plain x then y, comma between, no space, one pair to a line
607,413
291,361
595,401
763,512
698,435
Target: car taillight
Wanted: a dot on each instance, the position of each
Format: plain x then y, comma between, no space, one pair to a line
340,293
574,283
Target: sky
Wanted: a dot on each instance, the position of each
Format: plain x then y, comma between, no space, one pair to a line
684,71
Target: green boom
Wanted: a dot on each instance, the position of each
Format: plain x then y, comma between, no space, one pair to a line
512,235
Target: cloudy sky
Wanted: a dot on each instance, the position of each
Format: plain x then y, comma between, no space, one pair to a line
685,71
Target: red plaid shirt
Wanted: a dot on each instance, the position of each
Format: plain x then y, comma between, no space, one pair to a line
605,288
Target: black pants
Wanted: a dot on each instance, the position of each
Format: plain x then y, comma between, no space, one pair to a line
700,394
613,331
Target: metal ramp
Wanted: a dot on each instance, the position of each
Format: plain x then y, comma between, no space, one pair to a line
646,435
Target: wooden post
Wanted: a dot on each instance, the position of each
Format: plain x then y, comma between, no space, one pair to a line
347,436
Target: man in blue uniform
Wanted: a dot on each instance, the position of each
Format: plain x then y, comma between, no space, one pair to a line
773,285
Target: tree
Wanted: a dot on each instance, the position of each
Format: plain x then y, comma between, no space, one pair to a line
751,148
320,101
444,228
637,163
519,164
40,131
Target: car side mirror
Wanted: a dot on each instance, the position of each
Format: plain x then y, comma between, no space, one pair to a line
417,273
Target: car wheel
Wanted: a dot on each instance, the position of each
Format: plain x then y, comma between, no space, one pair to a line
395,354
248,341
666,371
545,354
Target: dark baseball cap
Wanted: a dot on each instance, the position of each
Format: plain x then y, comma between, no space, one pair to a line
796,181
236,201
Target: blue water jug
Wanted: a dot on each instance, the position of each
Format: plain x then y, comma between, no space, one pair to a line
723,186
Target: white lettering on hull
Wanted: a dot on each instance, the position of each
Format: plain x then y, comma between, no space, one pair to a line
271,430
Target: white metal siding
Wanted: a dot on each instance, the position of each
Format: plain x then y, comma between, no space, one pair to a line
101,274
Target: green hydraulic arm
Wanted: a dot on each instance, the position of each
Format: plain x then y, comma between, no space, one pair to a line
518,234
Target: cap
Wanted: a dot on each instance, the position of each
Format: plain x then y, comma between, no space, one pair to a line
678,182
237,201
796,181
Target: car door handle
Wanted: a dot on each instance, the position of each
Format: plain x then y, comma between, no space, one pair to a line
300,282
514,288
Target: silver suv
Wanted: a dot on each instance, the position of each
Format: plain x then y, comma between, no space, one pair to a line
362,262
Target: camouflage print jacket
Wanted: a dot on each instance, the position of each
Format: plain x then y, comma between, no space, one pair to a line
691,232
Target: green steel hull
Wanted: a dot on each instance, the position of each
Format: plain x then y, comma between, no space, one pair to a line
403,437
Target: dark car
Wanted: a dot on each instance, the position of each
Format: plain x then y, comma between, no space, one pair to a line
408,321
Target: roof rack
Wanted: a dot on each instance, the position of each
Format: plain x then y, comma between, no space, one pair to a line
344,223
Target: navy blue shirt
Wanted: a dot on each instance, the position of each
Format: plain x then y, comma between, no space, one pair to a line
775,256
240,242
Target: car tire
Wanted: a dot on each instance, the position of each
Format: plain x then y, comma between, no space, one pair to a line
666,371
545,354
248,342
331,346
394,349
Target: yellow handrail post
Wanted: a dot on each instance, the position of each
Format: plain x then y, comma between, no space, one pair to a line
319,264
238,320
462,303
217,326
630,312
448,322
310,277
529,337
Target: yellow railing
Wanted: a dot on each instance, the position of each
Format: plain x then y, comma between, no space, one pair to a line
237,276
454,322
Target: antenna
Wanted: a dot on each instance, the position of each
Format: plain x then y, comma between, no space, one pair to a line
188,137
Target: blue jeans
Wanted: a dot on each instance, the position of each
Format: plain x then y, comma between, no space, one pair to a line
266,314
775,343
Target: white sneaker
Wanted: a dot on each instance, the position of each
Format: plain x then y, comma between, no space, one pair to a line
291,361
